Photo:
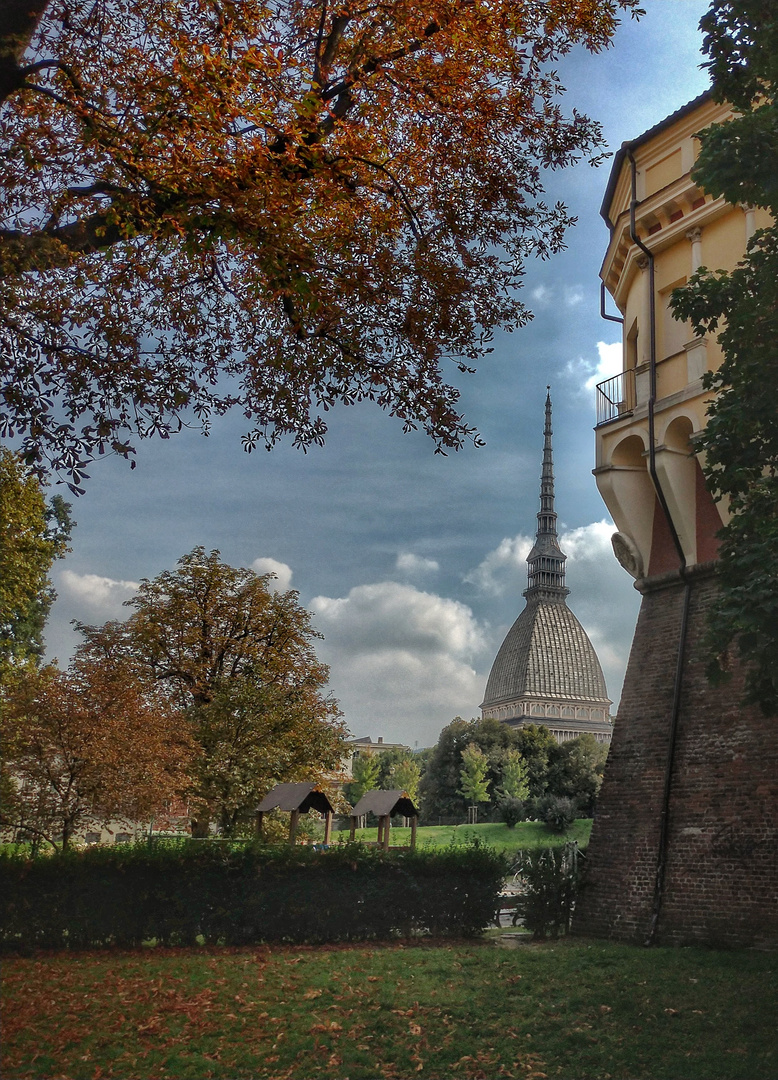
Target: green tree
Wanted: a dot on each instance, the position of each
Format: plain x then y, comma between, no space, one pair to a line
252,737
364,772
514,783
739,160
439,784
239,659
270,206
405,776
33,533
576,771
387,759
474,786
537,747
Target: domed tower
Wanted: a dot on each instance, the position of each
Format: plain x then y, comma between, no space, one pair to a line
547,671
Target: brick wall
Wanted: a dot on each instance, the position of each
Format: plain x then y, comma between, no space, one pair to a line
721,879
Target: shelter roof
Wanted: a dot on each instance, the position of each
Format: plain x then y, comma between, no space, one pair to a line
382,803
302,797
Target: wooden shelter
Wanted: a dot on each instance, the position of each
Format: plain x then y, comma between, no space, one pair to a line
297,799
384,804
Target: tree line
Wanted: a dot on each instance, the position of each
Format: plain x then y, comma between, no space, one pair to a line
509,773
208,694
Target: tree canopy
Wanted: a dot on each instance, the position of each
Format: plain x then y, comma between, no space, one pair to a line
237,659
33,533
85,747
739,160
273,206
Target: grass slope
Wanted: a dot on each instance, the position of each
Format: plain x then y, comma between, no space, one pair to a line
572,1010
527,834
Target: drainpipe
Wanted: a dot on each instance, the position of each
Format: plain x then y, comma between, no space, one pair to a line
603,313
661,862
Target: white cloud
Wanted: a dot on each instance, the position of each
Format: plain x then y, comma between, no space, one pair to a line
280,569
391,615
396,653
574,295
408,563
541,295
503,568
102,594
602,596
588,372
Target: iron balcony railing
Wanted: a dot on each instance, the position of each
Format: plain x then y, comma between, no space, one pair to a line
616,397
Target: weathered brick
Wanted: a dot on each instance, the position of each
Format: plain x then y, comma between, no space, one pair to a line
721,877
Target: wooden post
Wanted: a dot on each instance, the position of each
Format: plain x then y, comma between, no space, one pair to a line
294,818
380,831
260,818
387,825
327,827
352,834
414,823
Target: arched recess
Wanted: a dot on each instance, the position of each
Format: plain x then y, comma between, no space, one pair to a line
676,467
628,493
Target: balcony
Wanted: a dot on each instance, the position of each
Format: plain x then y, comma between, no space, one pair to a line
616,397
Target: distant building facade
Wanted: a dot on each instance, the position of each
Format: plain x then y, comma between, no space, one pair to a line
547,671
366,747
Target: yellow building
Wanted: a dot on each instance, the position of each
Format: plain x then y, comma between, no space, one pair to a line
684,846
663,227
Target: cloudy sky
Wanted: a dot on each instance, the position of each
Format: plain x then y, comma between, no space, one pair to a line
413,564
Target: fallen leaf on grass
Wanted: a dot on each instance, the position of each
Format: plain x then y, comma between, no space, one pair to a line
309,995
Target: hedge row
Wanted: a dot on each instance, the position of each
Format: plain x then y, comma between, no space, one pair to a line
184,892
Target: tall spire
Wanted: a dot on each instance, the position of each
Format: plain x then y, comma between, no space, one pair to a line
546,563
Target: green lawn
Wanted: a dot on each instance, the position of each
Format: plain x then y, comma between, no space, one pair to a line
573,1010
527,834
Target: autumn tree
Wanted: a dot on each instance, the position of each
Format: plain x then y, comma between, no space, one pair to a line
739,160
253,737
276,207
238,658
33,533
86,746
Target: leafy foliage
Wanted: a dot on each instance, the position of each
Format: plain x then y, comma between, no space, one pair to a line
549,877
33,533
512,810
405,776
86,746
238,658
740,442
573,769
472,775
364,771
244,894
558,811
275,207
514,783
576,771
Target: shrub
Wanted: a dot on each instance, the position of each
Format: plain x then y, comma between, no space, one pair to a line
549,879
512,811
219,892
558,811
